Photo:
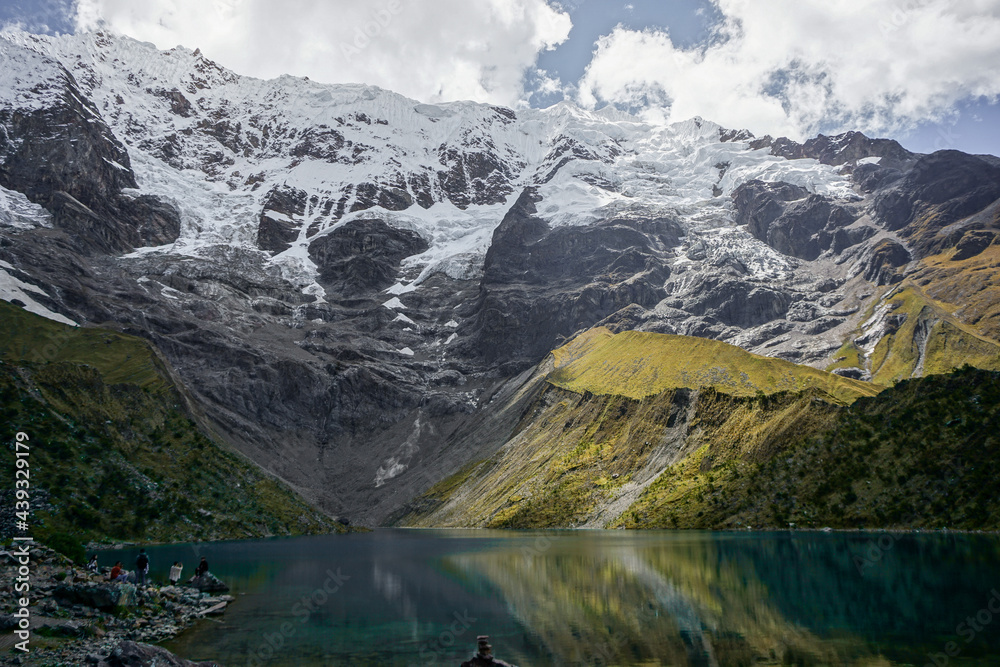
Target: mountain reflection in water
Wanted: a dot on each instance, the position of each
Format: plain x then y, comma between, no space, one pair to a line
602,598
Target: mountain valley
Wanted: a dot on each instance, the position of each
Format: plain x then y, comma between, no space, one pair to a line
466,315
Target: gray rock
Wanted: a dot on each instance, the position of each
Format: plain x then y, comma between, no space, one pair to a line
974,242
791,221
105,597
540,284
363,256
208,583
882,262
137,654
940,189
67,159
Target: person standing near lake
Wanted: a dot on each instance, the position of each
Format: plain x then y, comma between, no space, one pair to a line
141,567
175,573
199,570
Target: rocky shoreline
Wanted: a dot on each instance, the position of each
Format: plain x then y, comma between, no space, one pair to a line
79,618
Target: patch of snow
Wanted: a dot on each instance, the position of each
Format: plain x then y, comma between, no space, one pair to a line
394,303
400,288
406,352
275,215
12,288
18,212
876,326
315,290
116,165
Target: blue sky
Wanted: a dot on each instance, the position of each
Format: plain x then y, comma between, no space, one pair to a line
973,125
921,71
688,21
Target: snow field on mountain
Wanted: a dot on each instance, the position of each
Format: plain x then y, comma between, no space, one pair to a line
609,163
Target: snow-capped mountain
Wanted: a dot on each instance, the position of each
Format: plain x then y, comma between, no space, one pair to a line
346,276
277,164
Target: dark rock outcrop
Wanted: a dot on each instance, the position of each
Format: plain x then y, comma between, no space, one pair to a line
845,238
940,189
363,255
883,260
737,302
393,198
806,228
790,220
277,228
871,177
208,583
99,596
155,221
473,177
542,284
758,204
974,242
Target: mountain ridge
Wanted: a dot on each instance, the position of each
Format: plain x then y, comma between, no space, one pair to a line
345,279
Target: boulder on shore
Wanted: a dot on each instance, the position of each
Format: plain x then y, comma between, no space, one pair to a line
99,596
208,583
137,654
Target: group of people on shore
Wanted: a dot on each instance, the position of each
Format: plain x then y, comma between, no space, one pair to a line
139,576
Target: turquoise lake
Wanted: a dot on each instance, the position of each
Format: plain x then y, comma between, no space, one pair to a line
420,597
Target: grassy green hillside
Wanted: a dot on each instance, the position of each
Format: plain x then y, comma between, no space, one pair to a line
572,455
929,341
638,364
925,453
968,288
646,431
115,451
618,410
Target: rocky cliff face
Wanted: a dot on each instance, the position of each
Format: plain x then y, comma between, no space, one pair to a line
345,277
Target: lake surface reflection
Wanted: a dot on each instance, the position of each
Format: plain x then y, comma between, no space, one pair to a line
407,597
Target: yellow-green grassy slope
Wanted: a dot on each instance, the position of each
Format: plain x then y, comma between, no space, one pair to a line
618,410
967,288
950,316
639,364
924,453
930,340
115,450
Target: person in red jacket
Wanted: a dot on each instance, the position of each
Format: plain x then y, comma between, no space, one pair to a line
115,571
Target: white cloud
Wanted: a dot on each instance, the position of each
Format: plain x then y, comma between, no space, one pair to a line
432,50
795,67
